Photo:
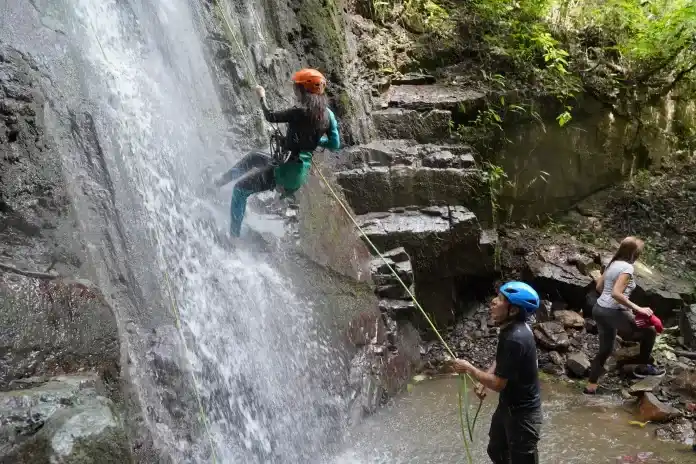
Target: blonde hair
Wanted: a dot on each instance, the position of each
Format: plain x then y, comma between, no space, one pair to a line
629,250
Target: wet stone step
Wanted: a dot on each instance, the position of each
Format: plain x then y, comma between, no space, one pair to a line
437,96
429,235
398,309
411,153
380,188
401,123
413,79
382,274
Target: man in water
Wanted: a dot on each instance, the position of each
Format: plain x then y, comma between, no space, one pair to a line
516,423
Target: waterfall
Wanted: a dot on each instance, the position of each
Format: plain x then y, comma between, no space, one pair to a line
137,71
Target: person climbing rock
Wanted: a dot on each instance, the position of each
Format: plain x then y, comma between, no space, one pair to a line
516,422
614,312
310,124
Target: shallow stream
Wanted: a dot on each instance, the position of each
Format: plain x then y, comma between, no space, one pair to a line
423,427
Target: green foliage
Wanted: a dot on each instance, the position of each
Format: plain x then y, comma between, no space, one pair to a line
518,32
650,43
419,16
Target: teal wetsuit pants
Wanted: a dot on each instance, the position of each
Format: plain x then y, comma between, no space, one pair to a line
256,173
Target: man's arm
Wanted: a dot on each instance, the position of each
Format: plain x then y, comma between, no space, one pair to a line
496,377
333,141
488,378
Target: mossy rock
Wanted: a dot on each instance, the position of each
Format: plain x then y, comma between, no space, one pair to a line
322,27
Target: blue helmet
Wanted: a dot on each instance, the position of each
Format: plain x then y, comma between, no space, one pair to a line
521,295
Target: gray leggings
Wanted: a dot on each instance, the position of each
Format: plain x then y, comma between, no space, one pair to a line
609,322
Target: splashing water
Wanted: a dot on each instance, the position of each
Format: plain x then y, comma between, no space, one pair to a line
259,356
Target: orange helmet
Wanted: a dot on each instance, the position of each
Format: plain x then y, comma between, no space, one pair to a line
312,80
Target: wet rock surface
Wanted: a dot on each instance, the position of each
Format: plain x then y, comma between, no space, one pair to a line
436,96
65,420
54,327
400,123
380,188
441,240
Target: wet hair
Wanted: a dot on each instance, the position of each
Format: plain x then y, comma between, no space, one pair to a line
629,250
315,105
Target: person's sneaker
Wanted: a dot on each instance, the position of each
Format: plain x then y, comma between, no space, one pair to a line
648,370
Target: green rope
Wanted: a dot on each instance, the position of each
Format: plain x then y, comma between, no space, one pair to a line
464,398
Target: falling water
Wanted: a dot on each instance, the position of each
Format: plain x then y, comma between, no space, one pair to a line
256,350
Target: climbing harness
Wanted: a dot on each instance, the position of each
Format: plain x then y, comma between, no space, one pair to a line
279,153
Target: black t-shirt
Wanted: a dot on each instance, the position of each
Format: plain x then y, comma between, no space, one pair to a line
516,361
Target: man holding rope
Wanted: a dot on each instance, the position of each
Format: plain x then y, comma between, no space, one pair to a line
516,422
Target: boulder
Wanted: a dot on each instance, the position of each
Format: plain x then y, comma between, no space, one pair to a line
591,327
544,312
653,410
569,319
684,380
626,354
552,336
646,385
578,364
62,421
400,123
556,358
438,96
687,325
552,275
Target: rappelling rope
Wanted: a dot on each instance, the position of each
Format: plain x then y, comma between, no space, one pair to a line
464,386
173,307
467,427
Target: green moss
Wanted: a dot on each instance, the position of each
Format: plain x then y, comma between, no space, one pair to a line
344,103
322,27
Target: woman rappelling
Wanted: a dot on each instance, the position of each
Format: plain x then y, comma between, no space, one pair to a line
310,124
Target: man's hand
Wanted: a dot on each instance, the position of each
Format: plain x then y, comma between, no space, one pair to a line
461,366
260,92
481,391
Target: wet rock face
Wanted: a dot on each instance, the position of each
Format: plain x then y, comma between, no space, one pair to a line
66,421
29,194
431,236
55,327
400,123
436,96
48,326
401,173
388,342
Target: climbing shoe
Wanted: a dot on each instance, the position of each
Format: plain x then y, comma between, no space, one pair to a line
648,370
